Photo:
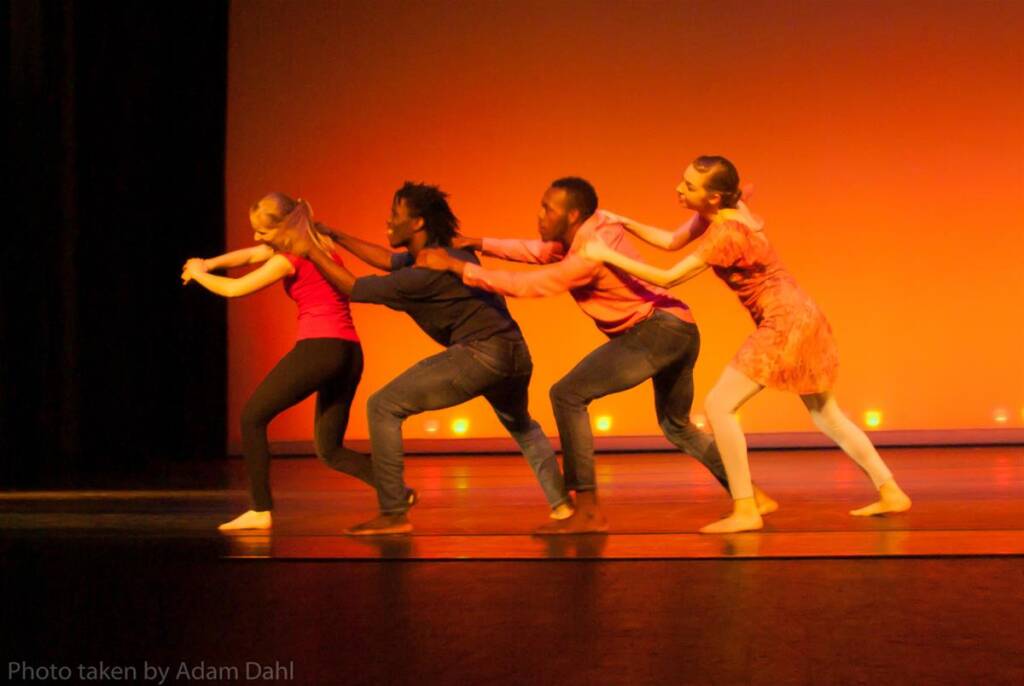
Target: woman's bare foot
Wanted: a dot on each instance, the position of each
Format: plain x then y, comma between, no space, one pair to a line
765,505
891,499
249,520
744,517
586,519
384,524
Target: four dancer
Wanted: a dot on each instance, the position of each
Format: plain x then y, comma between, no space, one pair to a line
652,336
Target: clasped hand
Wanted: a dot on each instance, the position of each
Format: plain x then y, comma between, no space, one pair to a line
192,267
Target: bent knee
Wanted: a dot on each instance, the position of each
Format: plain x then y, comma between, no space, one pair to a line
561,393
376,403
829,420
253,419
716,404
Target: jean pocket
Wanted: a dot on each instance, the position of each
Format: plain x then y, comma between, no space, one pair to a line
665,339
474,372
495,355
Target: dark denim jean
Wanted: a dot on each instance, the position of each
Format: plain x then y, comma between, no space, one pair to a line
662,348
499,369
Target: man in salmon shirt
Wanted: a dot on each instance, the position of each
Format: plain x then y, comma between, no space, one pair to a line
651,335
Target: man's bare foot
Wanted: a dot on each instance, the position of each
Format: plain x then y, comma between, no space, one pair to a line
891,499
562,511
247,521
382,525
577,523
765,505
587,518
744,517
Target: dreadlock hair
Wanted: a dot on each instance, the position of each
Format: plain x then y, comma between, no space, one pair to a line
430,203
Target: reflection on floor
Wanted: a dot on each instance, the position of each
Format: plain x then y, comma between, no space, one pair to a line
967,502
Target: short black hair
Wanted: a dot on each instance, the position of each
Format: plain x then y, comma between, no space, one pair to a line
581,194
430,203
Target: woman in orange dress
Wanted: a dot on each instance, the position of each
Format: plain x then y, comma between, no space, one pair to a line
792,348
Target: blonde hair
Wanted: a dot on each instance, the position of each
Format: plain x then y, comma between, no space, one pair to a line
295,212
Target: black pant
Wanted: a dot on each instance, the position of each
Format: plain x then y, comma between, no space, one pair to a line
331,367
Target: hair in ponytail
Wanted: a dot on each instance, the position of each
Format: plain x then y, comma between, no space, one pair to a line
296,212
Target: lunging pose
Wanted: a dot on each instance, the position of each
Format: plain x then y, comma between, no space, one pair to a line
327,358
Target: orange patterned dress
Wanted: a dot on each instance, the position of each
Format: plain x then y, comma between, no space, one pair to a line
793,348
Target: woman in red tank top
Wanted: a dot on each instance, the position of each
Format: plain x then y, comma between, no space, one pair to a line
792,348
327,358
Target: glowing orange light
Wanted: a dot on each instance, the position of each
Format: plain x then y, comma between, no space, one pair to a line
1001,416
603,423
460,426
873,419
431,426
699,420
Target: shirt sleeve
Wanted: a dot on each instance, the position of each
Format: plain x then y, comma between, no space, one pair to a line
572,272
379,290
515,250
400,289
722,244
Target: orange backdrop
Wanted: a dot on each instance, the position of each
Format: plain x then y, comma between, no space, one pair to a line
885,141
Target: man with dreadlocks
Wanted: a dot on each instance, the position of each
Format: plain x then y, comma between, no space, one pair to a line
485,353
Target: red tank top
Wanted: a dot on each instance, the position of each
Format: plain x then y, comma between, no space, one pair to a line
323,311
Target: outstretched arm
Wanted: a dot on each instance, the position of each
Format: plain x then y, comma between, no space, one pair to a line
518,250
272,271
552,279
372,254
684,270
236,258
662,238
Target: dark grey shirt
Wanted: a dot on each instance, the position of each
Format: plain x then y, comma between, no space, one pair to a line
446,309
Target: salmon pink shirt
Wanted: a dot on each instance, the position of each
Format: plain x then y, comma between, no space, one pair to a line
616,301
323,310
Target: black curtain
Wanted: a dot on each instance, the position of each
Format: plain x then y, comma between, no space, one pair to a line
116,133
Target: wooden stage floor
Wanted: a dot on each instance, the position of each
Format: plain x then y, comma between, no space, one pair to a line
935,596
967,502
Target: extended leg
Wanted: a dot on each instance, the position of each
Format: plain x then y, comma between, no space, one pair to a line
832,422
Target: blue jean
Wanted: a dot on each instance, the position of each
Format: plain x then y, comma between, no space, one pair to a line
662,348
499,369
